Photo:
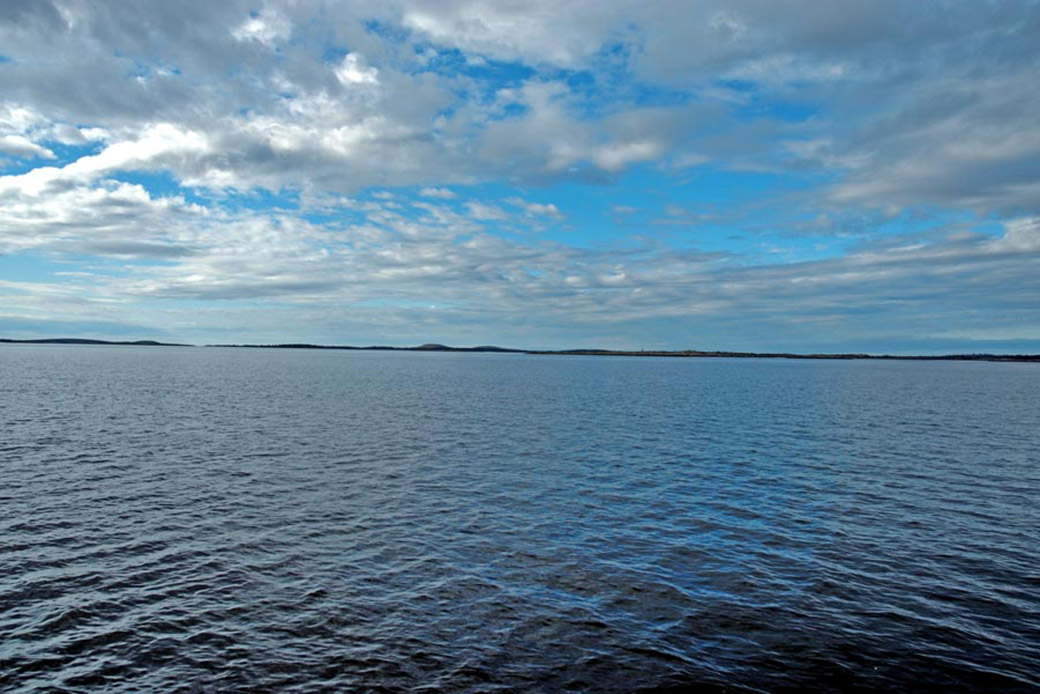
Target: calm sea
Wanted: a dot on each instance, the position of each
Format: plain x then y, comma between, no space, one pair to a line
206,519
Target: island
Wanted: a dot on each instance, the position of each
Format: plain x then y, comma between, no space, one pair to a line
436,347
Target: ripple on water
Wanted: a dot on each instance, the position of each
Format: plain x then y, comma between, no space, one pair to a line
243,520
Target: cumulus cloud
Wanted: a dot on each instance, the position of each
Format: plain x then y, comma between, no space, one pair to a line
428,134
536,208
92,218
616,156
266,27
485,212
160,145
513,31
18,146
241,148
441,193
353,70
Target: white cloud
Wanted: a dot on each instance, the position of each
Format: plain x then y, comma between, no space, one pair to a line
1020,236
785,68
158,145
536,31
354,70
618,155
108,219
686,160
18,146
266,27
485,212
18,120
441,193
536,208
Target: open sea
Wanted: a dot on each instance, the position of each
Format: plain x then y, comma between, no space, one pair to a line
252,520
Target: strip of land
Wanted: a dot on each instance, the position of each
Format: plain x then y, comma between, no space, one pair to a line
83,341
432,347
787,355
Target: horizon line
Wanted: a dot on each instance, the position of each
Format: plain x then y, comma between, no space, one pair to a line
582,351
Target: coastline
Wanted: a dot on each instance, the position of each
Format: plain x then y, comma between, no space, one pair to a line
431,347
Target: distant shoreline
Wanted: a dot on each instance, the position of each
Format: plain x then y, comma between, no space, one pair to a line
568,352
85,341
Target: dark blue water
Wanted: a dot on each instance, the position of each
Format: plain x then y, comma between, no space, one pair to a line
203,519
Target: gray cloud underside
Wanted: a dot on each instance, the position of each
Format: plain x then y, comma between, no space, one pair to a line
922,102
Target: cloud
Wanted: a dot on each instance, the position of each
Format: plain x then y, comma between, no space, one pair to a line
535,208
266,27
614,157
18,146
353,70
511,32
97,220
334,270
441,193
485,212
18,120
971,142
240,150
158,146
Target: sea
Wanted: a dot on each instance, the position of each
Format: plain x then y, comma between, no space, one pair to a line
178,519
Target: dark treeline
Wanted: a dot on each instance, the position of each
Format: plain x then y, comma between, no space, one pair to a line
83,341
433,347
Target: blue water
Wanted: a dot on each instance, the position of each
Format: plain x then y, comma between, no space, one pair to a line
206,519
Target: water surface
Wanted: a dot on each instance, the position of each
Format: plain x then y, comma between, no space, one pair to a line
203,519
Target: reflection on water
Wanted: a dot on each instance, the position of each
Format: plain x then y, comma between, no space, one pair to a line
239,520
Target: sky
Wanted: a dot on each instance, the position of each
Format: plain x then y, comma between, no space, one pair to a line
740,175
